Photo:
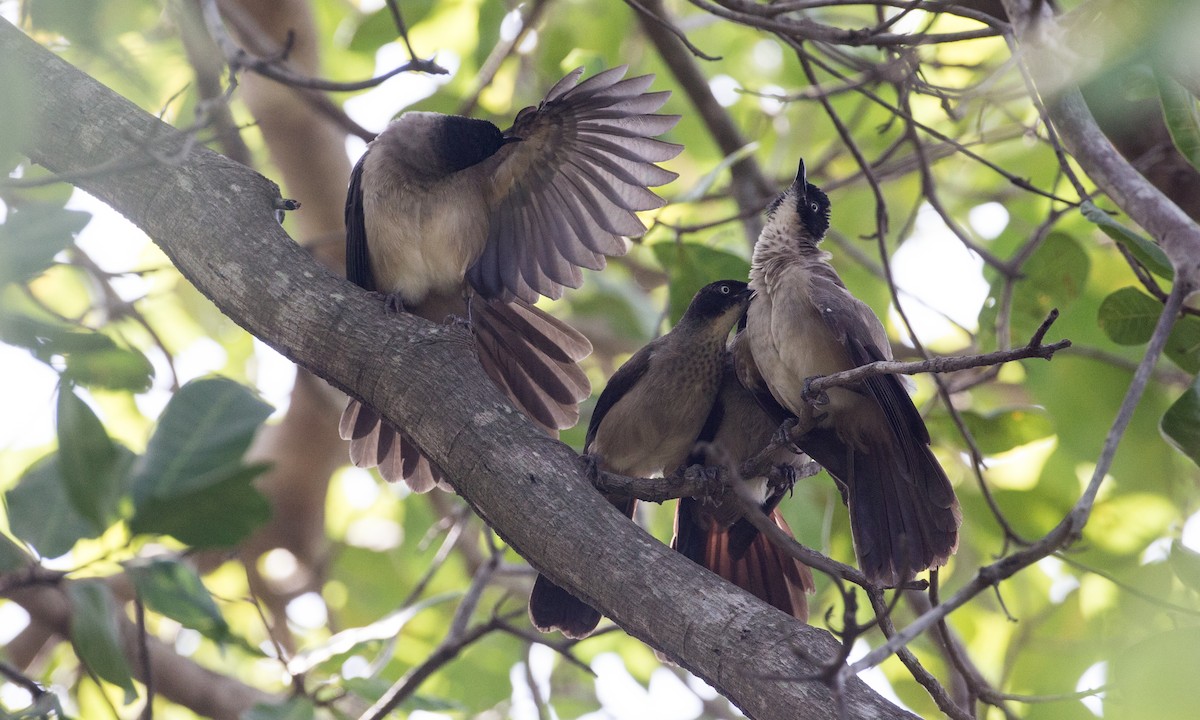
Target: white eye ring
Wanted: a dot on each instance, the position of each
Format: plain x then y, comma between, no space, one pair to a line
815,207
724,289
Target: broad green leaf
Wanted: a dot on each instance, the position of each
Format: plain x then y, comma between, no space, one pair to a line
1145,250
1128,316
1156,678
999,431
705,183
294,708
92,358
1183,346
12,555
691,266
1186,564
112,368
40,513
1054,277
1181,422
88,460
96,636
1183,119
33,235
173,589
200,439
218,514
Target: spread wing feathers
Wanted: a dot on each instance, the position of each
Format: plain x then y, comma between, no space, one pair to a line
564,194
903,511
374,444
533,357
358,262
761,569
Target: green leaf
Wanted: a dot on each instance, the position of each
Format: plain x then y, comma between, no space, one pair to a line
1054,277
95,634
42,487
1186,564
173,589
12,556
200,439
1128,316
1181,422
1002,430
294,708
91,358
1156,678
1147,252
692,266
219,514
1183,345
33,235
111,368
88,459
1181,115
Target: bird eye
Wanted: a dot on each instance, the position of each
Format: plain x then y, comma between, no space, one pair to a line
724,289
815,207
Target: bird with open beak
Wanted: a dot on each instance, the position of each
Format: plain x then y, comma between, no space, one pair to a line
450,217
803,322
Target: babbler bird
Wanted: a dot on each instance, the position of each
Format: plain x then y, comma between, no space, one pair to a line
804,322
647,420
450,217
715,535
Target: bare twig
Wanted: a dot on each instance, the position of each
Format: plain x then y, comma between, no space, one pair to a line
1035,349
273,67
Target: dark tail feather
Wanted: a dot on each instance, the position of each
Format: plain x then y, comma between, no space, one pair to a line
759,567
553,608
374,444
903,513
529,354
534,358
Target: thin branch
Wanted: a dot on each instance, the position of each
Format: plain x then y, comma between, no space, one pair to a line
139,613
272,67
1035,349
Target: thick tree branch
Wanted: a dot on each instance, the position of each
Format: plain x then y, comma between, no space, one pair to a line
215,220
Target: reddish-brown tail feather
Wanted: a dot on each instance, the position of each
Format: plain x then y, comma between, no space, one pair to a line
759,567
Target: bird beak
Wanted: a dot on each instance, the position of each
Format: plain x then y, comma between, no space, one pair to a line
747,294
801,182
511,139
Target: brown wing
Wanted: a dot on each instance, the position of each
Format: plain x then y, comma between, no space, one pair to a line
568,184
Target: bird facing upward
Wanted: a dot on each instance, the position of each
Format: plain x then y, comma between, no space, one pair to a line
647,420
450,216
804,322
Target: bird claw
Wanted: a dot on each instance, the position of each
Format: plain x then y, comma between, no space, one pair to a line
781,479
783,435
458,321
813,397
394,303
